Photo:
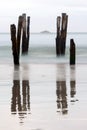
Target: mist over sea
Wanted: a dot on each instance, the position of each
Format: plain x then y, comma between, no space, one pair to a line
42,48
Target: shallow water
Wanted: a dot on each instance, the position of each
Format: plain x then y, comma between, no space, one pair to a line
43,97
42,49
45,92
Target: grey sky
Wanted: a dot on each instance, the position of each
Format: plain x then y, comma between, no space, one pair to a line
43,14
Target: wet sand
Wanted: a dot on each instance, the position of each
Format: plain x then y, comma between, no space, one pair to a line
43,97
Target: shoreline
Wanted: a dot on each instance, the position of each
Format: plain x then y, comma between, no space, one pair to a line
53,71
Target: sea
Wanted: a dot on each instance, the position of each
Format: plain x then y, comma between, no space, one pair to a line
42,48
44,92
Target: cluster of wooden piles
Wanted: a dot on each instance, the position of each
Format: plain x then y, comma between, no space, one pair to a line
62,23
23,32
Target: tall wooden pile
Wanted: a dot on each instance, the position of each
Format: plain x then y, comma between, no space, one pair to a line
61,34
23,33
72,52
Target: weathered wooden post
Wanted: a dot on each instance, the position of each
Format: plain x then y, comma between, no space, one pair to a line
19,34
28,33
58,42
24,34
16,41
25,37
14,44
72,52
63,32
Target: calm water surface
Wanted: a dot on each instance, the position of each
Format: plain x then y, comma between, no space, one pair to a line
44,93
43,97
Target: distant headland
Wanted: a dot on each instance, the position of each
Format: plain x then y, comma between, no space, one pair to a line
45,32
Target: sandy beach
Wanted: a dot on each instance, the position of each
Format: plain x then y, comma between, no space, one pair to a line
43,97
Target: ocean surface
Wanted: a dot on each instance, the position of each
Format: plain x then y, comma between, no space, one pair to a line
44,92
42,48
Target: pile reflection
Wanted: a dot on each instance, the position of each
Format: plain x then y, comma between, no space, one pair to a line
61,87
61,96
72,83
61,90
65,91
20,101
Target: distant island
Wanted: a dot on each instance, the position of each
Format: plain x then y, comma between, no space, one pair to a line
45,32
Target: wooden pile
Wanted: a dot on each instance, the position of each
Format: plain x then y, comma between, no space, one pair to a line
61,34
23,32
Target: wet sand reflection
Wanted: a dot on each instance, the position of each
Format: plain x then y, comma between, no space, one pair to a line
61,90
61,97
20,102
72,83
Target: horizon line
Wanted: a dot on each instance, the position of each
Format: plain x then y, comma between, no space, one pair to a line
49,32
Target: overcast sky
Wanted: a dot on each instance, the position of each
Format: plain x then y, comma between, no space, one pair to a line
43,14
